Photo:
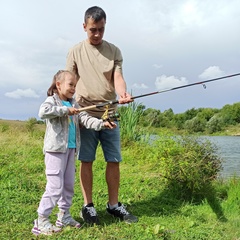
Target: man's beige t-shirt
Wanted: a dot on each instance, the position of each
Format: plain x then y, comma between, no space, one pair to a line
95,67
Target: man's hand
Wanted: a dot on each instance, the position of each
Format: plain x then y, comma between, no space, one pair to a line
110,125
125,98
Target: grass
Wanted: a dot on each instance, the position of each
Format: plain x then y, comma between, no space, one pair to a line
161,214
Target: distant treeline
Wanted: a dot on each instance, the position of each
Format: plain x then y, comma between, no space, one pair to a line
209,120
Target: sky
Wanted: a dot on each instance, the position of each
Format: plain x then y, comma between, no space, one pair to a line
164,43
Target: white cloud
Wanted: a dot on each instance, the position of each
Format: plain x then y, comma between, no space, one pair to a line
163,82
19,93
139,86
211,72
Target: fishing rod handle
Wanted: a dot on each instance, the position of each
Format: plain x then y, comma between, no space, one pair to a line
86,108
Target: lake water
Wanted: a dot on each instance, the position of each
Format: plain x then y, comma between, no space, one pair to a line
229,150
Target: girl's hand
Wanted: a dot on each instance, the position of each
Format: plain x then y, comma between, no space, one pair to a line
72,111
110,125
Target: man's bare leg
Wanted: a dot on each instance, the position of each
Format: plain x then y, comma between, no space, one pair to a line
86,181
113,179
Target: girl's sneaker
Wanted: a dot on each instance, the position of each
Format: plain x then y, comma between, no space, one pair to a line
65,219
43,226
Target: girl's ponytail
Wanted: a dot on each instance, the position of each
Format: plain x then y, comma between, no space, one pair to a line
53,87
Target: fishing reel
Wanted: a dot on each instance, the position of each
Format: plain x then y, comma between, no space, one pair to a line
110,117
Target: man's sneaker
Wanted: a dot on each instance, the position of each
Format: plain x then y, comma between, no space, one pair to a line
122,213
89,214
65,219
43,226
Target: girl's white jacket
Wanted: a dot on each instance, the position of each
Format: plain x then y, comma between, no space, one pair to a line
57,124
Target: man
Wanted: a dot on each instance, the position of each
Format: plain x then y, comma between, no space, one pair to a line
98,65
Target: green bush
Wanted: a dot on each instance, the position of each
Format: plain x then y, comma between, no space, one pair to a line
30,125
188,164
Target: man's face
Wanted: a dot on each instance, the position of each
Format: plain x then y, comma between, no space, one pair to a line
94,30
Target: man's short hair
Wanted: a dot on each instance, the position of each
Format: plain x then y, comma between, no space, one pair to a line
95,13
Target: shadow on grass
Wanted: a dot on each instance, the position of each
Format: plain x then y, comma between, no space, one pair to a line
104,218
171,199
214,203
164,204
168,202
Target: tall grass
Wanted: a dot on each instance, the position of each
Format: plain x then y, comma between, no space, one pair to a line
162,214
129,119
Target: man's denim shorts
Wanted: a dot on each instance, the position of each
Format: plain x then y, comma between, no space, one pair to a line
109,140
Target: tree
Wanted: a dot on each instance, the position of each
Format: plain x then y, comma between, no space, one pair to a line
207,113
151,117
215,124
191,113
231,114
195,124
178,120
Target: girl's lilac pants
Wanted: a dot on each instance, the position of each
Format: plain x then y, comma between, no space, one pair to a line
60,173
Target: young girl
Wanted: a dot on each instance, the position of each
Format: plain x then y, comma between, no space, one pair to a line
62,138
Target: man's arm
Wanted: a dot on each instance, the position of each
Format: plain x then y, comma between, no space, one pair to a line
121,88
71,64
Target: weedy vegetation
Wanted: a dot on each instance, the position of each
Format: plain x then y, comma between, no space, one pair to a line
171,183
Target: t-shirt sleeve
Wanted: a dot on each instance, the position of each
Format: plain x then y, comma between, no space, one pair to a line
118,61
71,63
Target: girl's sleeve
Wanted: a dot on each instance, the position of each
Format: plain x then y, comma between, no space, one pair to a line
90,122
49,109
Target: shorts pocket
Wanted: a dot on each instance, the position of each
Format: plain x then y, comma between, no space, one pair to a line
54,179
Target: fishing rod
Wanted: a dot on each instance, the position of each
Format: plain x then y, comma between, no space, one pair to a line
161,91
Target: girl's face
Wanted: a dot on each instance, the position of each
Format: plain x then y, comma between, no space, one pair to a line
95,30
66,87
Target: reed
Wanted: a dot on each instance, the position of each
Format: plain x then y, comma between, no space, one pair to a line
129,123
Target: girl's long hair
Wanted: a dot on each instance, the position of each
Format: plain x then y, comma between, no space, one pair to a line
59,76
